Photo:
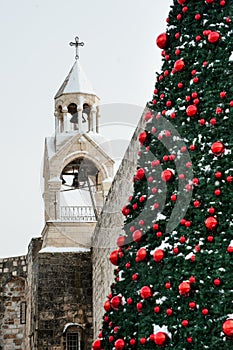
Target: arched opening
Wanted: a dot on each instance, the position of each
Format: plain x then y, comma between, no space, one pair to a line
73,337
72,109
80,191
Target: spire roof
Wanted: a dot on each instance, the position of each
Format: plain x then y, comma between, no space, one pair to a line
76,82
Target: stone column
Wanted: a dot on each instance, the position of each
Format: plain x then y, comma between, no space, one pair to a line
97,119
56,122
54,199
80,113
93,117
65,111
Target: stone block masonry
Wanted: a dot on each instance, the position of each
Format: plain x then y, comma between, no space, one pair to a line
63,294
13,272
109,227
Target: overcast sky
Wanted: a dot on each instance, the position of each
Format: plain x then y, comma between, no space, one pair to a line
120,58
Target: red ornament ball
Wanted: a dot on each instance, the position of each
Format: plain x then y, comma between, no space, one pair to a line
158,255
96,345
146,292
211,223
217,148
132,341
181,2
107,305
120,241
140,174
205,311
169,312
191,110
217,282
114,257
137,236
184,288
228,327
139,307
142,137
179,65
185,323
143,341
160,338
119,344
213,37
167,175
116,302
125,211
141,254
162,41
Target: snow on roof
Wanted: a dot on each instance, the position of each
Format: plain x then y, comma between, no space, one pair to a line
76,82
64,250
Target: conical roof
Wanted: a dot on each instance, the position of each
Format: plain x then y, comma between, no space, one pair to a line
76,82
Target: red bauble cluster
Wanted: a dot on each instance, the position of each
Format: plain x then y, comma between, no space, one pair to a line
162,41
228,328
120,241
211,223
217,148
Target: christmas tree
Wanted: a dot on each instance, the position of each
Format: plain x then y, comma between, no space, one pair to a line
174,277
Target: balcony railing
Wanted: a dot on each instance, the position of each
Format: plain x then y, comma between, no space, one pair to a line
79,214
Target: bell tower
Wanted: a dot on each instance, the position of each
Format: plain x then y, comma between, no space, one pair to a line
78,168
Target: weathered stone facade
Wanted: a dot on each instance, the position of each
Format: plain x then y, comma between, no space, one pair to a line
13,272
109,227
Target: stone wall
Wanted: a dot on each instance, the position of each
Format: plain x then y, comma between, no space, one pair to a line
61,300
109,227
13,273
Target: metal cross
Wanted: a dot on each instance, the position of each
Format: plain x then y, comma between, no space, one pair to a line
76,44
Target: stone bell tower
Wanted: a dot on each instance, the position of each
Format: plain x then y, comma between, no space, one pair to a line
77,167
77,175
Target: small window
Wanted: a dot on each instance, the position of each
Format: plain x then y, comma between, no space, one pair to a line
72,341
23,309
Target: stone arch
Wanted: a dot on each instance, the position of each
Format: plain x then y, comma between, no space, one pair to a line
101,167
73,334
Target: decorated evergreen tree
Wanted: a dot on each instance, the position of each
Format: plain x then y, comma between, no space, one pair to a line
174,277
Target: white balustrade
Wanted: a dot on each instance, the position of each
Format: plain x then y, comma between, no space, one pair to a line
78,213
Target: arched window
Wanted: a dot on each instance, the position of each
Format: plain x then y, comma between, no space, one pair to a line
73,337
72,341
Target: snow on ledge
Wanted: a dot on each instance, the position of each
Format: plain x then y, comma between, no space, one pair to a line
64,250
70,325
